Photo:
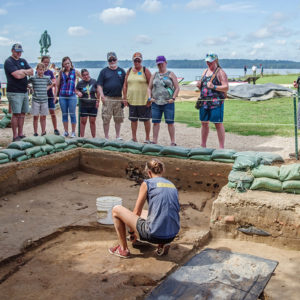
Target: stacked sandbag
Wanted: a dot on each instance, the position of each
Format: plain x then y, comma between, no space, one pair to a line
152,149
246,162
240,180
175,152
132,147
11,154
268,158
290,177
6,120
79,141
94,143
57,141
223,155
4,158
203,154
113,145
35,151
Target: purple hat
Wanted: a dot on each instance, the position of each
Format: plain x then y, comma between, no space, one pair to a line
160,59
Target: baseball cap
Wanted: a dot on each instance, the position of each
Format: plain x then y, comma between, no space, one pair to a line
137,55
111,54
211,57
17,47
160,59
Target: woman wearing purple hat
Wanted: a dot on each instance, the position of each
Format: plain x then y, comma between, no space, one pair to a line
162,91
213,86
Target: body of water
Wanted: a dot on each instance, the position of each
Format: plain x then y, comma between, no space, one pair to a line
191,74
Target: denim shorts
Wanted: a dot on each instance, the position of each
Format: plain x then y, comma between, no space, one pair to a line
167,109
51,104
214,115
19,102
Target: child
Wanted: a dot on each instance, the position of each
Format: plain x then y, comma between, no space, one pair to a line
158,226
39,107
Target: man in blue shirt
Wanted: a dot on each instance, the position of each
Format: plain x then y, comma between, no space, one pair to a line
109,88
16,70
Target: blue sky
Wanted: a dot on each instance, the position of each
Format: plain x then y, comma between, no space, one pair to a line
87,30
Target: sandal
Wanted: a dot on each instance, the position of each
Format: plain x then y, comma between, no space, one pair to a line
173,144
163,249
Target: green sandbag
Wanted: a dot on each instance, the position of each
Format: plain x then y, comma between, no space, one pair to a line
47,148
53,151
70,147
35,140
78,145
245,162
243,153
268,158
176,156
289,172
5,121
266,184
241,179
177,151
201,151
53,139
291,184
239,186
4,161
33,150
224,160
60,146
152,148
39,154
231,184
76,141
12,153
201,157
292,191
90,146
114,143
266,171
3,156
96,141
59,150
133,145
20,145
22,158
129,150
151,153
110,148
223,153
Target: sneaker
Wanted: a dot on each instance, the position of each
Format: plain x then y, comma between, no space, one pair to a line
56,132
162,249
22,136
119,139
147,142
35,134
66,134
119,252
73,135
44,133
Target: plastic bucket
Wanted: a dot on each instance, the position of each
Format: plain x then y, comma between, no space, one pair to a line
104,208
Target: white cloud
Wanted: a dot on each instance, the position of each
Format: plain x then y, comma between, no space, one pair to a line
151,6
5,41
3,11
117,15
77,31
233,54
258,45
236,6
281,42
143,39
216,41
201,4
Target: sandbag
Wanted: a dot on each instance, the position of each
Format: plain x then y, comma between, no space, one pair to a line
133,145
177,151
243,153
292,191
4,161
5,121
22,158
3,156
20,145
12,153
289,172
266,171
35,140
176,156
201,151
69,147
291,184
246,162
130,150
223,153
268,158
231,184
90,146
201,157
224,160
151,153
240,187
240,180
75,141
96,141
114,143
53,139
39,154
150,148
266,184
47,148
60,146
110,148
53,151
31,151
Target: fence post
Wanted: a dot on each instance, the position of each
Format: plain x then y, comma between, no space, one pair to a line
296,128
79,109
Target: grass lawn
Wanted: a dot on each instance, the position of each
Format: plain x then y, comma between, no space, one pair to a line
278,79
264,118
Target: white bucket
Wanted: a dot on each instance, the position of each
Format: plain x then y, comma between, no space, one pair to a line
104,208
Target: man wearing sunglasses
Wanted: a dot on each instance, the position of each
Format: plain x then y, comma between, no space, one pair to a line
109,88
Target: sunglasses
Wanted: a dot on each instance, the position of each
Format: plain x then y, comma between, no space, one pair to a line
112,59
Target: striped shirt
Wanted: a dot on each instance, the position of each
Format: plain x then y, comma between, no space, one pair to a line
40,85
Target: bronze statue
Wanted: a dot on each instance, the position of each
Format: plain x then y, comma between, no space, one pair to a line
45,43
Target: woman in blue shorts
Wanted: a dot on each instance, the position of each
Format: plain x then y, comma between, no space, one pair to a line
213,87
160,224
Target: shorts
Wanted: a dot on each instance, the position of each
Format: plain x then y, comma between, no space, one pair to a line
51,104
88,111
214,115
139,113
112,107
19,102
167,109
39,108
146,236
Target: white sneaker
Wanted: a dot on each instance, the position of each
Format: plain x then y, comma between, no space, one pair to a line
66,134
73,135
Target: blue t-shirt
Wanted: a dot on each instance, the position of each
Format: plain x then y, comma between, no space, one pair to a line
112,81
15,85
163,215
51,75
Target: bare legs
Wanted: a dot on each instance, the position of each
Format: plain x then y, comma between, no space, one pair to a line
17,123
83,121
42,122
205,131
134,126
171,129
53,118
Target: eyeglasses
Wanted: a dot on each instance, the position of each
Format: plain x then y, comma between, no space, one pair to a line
137,60
112,59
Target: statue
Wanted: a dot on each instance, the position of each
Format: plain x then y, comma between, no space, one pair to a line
45,43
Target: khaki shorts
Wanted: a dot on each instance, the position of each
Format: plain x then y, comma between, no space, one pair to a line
19,102
112,107
39,108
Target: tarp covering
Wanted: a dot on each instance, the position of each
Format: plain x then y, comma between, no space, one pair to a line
258,92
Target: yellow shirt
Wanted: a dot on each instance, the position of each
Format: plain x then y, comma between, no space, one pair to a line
137,88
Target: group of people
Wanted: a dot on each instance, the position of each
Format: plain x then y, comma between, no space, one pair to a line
148,96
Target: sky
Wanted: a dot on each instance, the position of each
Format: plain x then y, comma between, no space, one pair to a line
87,30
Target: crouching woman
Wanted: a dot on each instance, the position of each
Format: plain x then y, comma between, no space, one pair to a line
160,224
